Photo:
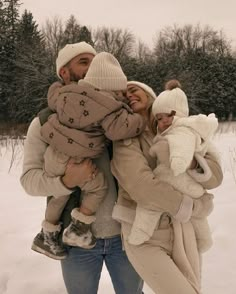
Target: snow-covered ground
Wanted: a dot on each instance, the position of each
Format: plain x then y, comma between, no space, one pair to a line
24,271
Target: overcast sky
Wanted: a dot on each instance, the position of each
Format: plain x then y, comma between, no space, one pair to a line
142,17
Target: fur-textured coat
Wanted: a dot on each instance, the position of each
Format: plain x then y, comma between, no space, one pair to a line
84,117
133,167
173,150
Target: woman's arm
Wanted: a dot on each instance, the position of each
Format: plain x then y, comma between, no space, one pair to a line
209,174
133,173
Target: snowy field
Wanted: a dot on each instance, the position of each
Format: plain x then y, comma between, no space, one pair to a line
24,271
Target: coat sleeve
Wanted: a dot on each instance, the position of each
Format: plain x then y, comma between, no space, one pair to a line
134,175
53,93
217,175
122,124
210,174
33,179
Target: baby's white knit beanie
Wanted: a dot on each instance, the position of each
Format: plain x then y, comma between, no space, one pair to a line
145,87
70,51
106,73
171,100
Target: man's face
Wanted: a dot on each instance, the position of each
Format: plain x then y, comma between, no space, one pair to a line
77,68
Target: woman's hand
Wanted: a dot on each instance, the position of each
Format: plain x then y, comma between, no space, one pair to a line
77,174
193,164
203,206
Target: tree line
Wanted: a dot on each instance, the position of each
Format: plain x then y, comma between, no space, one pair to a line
201,58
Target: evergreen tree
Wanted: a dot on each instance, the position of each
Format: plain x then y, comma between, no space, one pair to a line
33,75
199,58
9,22
85,35
74,33
3,62
71,31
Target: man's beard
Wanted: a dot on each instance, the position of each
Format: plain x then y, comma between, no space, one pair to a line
74,77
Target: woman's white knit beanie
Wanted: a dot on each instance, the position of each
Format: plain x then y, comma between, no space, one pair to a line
171,100
70,51
145,87
106,73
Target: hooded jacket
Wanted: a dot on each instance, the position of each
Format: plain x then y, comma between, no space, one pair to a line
84,117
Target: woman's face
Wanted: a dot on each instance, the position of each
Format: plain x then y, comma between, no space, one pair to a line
138,99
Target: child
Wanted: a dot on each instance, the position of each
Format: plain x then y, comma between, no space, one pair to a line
179,138
85,114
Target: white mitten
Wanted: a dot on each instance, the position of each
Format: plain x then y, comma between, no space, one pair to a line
178,165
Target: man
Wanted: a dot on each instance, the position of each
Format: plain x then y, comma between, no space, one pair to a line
82,268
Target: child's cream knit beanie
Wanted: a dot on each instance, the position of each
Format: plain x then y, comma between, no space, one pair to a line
106,73
172,99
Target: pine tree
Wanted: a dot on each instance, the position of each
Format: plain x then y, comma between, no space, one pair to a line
85,35
74,33
33,75
71,31
9,22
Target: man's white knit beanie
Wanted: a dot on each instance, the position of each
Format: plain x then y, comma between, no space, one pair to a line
106,73
145,87
171,100
70,51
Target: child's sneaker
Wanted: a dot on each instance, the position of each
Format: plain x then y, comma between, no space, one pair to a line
79,232
48,243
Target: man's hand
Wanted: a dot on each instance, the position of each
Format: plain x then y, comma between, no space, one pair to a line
78,174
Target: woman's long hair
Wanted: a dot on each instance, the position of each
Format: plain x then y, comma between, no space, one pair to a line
151,120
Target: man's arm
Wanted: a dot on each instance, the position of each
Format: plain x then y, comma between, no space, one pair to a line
35,180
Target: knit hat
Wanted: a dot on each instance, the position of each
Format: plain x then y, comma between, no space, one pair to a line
106,73
169,100
145,87
70,51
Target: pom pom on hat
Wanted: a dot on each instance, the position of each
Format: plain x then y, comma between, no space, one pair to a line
70,51
145,87
172,84
172,99
106,73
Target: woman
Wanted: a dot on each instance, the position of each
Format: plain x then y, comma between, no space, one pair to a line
169,261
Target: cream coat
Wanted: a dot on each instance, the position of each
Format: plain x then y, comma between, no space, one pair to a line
132,165
174,150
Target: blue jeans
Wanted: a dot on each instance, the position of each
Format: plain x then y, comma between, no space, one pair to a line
82,268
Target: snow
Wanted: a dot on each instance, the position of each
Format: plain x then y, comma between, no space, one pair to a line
25,271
